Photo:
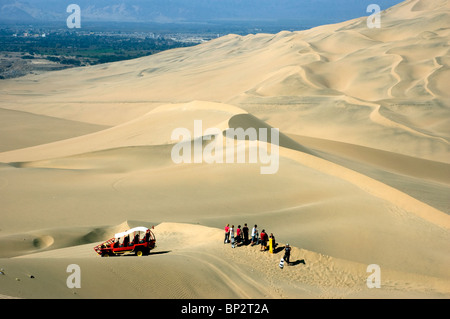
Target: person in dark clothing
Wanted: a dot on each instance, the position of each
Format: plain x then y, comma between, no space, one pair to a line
287,253
126,240
136,239
245,233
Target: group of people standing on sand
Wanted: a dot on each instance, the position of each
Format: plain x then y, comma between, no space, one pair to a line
242,236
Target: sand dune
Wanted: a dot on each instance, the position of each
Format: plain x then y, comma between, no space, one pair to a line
31,133
363,172
192,260
153,128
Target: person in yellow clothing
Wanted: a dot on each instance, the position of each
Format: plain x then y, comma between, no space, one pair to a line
271,243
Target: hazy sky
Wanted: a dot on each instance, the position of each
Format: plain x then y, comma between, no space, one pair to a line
192,10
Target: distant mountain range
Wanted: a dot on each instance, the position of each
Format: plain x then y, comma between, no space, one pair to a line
174,11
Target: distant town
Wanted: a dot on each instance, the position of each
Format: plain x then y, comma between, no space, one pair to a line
42,47
36,49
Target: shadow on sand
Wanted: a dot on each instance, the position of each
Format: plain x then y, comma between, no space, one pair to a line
149,255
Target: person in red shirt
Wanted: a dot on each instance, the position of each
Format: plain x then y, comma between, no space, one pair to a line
227,234
263,237
238,235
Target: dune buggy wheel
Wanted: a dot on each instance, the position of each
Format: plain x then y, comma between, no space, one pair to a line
105,255
139,253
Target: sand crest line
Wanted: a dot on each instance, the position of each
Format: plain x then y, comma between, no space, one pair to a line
183,149
374,187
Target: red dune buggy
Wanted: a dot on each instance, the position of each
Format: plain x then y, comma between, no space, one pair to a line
138,241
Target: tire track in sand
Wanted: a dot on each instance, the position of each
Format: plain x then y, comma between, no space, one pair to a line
232,275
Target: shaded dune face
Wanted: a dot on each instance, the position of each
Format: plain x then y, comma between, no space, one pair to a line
248,121
43,242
